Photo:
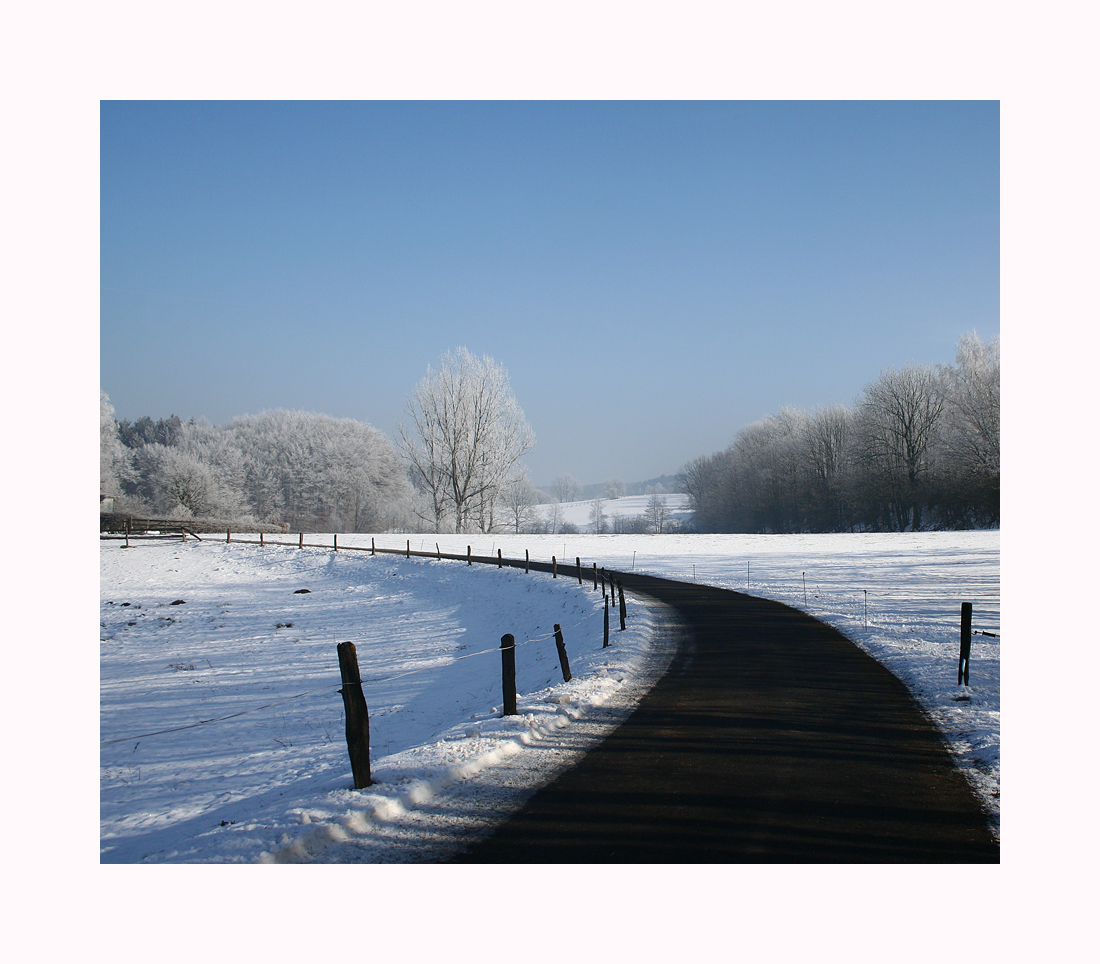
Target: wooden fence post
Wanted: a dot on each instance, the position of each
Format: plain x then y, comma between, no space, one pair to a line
334,546
227,537
469,561
964,644
606,623
595,577
301,539
408,548
500,560
563,658
438,554
580,575
622,608
508,673
355,713
554,560
261,538
527,562
372,545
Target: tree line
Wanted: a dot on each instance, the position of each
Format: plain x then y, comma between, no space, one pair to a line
920,449
455,469
312,472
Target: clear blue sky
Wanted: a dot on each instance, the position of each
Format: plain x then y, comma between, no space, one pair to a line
653,275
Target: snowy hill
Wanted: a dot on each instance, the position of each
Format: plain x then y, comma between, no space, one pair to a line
579,514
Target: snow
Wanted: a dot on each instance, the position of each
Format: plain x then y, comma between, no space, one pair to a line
222,726
246,650
579,514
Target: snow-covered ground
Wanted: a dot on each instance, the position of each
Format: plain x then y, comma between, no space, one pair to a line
223,729
204,631
579,514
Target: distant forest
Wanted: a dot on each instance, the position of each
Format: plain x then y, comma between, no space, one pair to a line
920,449
311,472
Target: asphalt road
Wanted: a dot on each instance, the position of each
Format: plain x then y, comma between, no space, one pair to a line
772,738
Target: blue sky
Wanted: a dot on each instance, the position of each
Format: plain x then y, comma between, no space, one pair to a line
653,275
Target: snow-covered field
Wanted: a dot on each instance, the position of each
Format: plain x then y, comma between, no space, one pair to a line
579,514
204,631
222,727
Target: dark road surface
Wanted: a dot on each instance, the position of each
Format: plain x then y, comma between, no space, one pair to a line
771,738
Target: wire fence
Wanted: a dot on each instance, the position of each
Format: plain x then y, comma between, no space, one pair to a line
334,687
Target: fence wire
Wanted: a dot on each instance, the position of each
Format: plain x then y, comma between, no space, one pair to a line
329,686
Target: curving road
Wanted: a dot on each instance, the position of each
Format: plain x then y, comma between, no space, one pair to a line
771,738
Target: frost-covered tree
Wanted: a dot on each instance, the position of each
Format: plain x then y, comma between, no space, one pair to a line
311,471
970,483
973,414
315,471
184,486
113,457
467,436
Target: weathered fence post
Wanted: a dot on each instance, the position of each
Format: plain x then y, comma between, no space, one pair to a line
527,560
580,575
595,578
612,581
372,545
554,560
301,539
469,561
355,713
622,608
964,644
334,546
261,538
508,673
563,658
438,554
500,559
606,623
408,548
227,537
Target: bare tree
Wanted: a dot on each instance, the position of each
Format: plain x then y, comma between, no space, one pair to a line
597,517
554,520
899,420
519,498
566,488
825,454
656,513
467,436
